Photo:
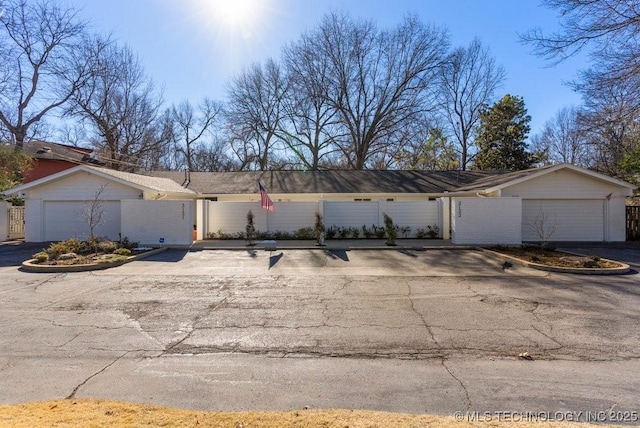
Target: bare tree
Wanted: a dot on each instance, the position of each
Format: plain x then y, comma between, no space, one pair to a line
469,80
378,80
122,109
254,113
544,226
93,212
310,127
41,65
562,139
190,126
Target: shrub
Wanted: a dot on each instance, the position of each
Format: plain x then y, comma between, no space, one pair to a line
433,231
305,233
331,232
125,243
405,230
318,228
122,252
63,247
378,232
112,259
107,246
421,233
41,257
250,228
390,229
281,235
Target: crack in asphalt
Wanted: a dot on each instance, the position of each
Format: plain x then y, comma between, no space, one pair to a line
80,385
413,308
193,327
464,388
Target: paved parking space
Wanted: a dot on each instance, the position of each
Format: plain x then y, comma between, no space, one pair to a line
324,262
417,331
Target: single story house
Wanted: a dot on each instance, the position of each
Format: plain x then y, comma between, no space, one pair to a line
562,202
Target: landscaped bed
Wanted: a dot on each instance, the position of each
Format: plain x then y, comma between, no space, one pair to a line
545,258
552,257
94,253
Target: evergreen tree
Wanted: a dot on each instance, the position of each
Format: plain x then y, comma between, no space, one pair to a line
504,128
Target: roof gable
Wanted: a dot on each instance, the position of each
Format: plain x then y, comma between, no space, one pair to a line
494,183
140,182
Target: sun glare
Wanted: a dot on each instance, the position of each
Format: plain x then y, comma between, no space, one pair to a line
242,15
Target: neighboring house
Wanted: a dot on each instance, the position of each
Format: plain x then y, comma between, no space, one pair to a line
476,206
51,158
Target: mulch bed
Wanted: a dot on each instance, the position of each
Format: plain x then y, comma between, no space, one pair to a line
555,258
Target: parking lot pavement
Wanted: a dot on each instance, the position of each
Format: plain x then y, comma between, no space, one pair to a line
335,262
417,332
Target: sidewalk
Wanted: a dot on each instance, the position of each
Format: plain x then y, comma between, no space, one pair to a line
333,244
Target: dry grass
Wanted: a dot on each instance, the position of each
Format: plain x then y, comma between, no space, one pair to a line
99,413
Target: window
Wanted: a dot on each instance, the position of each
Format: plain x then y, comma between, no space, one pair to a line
362,199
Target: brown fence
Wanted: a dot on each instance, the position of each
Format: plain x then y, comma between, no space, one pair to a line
633,223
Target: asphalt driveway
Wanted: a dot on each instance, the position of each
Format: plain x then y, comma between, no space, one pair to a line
414,331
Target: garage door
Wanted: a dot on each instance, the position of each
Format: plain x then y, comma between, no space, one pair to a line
574,220
64,220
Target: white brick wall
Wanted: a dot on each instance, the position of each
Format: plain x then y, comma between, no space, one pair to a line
158,222
486,221
231,217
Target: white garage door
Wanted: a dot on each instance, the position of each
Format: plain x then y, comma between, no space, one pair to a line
64,220
574,220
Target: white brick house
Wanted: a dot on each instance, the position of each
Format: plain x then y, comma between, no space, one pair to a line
470,207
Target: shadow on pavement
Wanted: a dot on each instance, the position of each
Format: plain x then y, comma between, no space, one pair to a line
169,255
338,254
275,259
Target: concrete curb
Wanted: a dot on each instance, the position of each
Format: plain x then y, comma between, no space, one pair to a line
29,266
623,269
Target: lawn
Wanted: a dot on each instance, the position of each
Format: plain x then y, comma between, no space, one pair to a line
98,413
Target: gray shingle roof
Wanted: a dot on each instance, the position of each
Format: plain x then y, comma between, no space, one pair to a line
159,184
496,180
347,181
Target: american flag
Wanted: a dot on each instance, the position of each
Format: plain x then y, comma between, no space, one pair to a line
265,201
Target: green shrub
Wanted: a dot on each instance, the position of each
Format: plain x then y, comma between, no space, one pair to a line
113,259
390,229
64,247
250,228
125,243
41,257
304,233
433,231
122,252
318,228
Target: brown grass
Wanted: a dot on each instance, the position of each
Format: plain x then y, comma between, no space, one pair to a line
99,413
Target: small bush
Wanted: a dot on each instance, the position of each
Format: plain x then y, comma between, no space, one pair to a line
250,228
304,233
390,229
318,228
331,232
433,231
125,243
107,246
64,247
421,233
113,259
122,252
41,257
405,230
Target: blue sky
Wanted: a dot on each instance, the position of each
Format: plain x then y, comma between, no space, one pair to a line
191,48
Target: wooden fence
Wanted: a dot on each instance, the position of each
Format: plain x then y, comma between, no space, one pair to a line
633,222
